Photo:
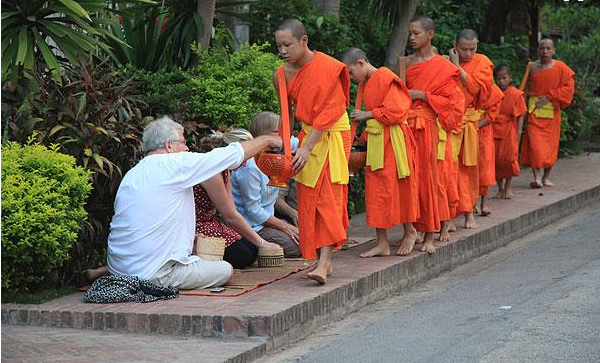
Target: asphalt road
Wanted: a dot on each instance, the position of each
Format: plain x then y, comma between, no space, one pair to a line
535,300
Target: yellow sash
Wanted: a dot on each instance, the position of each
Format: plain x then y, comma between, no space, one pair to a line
470,140
330,144
441,154
376,147
547,111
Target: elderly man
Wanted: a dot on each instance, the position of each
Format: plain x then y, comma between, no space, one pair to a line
152,231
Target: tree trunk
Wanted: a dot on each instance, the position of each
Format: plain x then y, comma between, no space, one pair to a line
534,16
399,34
331,7
206,10
495,21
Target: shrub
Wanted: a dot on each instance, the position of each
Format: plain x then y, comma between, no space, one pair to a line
43,194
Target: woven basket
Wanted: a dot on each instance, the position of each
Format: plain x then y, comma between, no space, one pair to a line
210,248
270,257
277,167
357,160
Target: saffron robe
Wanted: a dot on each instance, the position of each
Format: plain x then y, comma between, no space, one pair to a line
486,154
542,135
438,78
506,140
481,95
390,200
319,92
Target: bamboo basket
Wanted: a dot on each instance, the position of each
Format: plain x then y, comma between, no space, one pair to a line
210,248
270,257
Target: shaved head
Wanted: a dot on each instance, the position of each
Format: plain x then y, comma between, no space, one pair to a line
467,34
295,27
353,55
501,68
547,40
426,23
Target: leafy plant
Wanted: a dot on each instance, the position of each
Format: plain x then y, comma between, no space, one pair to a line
43,194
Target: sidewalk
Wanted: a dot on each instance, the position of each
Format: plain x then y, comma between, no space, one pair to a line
241,329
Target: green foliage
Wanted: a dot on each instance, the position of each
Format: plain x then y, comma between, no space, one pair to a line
505,54
96,118
43,194
368,34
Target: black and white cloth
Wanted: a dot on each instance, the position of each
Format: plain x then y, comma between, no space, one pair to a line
116,289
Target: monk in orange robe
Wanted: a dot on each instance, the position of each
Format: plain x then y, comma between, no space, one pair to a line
507,132
551,87
318,89
391,195
482,99
432,82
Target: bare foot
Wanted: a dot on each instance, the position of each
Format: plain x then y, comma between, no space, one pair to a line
444,233
428,245
509,194
321,279
485,212
451,226
420,238
499,195
408,243
470,221
320,273
548,183
92,275
377,251
476,209
535,184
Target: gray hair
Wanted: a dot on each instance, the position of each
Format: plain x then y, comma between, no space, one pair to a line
160,131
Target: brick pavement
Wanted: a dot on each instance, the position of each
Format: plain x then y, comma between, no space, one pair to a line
292,307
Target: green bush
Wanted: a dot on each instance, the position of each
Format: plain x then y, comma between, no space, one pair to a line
43,194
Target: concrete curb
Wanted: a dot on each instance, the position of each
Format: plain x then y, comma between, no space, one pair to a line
293,322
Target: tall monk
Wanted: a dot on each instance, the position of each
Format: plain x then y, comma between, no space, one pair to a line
391,195
551,87
432,82
482,101
318,90
507,132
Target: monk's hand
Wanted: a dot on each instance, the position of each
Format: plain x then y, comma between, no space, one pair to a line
542,102
300,158
359,115
453,56
482,122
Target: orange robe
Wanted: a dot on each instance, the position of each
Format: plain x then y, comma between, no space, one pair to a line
438,78
486,156
541,138
481,95
390,200
320,94
506,140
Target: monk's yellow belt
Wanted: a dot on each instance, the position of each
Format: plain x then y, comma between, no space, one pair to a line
470,140
329,144
376,147
546,111
441,154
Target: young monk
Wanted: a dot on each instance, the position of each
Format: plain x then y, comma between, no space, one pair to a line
432,82
551,87
318,89
391,196
482,99
507,132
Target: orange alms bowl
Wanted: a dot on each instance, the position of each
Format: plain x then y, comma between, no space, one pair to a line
278,167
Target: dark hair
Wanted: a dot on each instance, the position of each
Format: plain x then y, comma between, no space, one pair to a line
295,26
352,55
500,68
466,34
426,22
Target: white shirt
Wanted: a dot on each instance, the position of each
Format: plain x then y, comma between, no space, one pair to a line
154,219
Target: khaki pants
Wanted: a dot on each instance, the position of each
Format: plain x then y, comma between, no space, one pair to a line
196,275
290,248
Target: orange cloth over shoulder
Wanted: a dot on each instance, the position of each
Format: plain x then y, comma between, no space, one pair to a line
390,200
438,78
542,136
320,93
506,141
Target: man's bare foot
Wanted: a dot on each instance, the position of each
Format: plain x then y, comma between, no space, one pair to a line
444,233
92,275
451,226
428,244
408,243
470,221
499,195
476,209
420,238
508,194
535,184
485,212
548,183
377,251
320,273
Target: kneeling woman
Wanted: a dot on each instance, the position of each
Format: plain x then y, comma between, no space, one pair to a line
214,195
257,201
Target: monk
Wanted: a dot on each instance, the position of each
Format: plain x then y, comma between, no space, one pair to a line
318,90
551,87
391,196
432,82
482,101
507,132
